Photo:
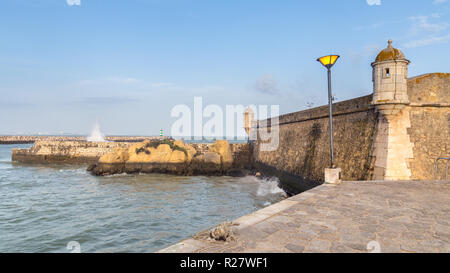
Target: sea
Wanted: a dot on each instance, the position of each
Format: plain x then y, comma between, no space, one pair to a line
63,208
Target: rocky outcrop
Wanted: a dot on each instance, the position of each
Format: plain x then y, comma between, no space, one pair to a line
175,157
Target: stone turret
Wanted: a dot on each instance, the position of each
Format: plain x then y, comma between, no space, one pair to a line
249,119
393,148
390,74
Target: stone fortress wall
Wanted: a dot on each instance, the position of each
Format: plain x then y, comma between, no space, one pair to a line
429,133
304,150
304,147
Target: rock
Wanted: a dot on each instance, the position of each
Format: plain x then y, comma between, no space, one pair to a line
162,154
179,143
119,155
144,156
178,157
138,147
210,157
223,232
208,163
237,173
191,151
91,167
222,147
170,157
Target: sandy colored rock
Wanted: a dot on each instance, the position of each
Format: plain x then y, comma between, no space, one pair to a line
162,153
191,151
135,147
208,163
210,157
178,157
222,147
146,156
120,155
179,143
174,158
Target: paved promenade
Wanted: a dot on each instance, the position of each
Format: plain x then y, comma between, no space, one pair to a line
396,216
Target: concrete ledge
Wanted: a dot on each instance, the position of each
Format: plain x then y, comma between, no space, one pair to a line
263,214
186,246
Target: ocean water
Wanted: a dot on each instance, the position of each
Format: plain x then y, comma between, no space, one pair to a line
46,208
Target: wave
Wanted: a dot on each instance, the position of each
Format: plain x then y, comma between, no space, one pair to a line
266,186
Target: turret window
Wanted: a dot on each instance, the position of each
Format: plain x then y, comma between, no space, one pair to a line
387,73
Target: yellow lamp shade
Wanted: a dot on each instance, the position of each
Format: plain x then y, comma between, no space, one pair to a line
328,61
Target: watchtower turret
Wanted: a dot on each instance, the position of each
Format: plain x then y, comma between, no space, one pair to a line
390,74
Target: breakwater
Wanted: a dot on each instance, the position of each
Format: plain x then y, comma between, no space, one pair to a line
83,152
150,156
33,139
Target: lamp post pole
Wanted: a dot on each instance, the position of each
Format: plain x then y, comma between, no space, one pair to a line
333,174
330,106
328,62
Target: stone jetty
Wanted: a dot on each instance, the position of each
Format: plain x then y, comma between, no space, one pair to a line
80,152
33,139
156,155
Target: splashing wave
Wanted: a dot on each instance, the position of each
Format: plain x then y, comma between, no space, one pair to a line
266,186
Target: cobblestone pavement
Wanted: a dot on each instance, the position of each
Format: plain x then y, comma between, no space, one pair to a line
350,217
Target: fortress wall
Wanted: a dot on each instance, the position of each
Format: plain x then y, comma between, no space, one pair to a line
304,150
430,123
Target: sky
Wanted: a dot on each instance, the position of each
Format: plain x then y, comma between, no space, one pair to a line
65,64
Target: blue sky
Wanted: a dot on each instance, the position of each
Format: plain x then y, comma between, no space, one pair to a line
66,63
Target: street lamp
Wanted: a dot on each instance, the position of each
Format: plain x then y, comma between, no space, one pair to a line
328,62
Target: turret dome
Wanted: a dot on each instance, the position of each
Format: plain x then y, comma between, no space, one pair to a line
390,53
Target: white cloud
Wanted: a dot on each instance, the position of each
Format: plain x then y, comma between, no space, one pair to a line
374,2
428,41
266,85
110,80
73,2
427,30
437,2
422,24
378,2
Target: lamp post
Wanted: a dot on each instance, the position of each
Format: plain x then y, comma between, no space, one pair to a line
328,62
